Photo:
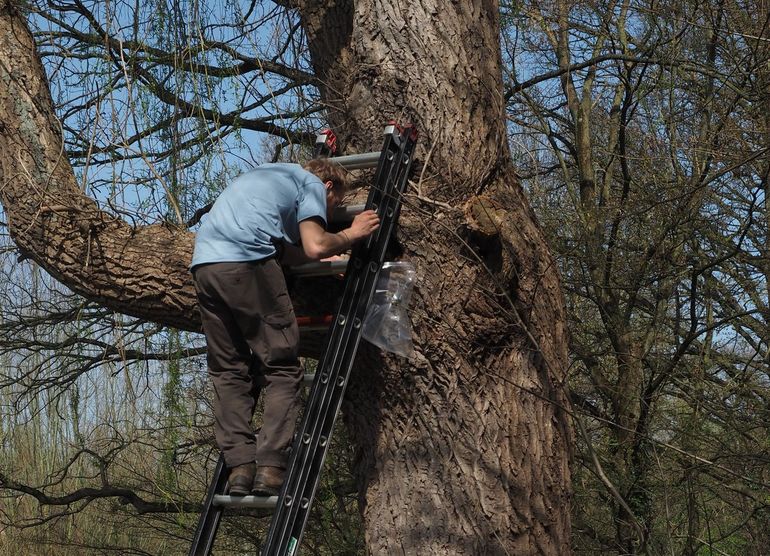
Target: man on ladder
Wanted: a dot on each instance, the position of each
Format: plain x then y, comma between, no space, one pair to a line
274,214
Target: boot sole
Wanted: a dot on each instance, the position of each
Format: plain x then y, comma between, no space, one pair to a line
240,488
239,492
263,490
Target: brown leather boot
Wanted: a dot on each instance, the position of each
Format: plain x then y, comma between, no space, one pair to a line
268,480
241,478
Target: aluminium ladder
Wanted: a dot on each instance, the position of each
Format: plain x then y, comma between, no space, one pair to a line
311,441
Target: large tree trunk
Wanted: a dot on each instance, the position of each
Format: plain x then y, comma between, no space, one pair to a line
465,449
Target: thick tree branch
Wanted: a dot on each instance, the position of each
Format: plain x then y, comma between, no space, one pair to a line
87,495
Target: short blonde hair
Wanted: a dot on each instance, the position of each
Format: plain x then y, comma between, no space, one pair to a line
326,170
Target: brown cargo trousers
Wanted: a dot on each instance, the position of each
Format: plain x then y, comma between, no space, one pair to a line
252,339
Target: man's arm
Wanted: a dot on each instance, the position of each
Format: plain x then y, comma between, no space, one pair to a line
318,244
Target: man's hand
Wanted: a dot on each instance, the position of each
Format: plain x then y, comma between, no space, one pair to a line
333,258
364,224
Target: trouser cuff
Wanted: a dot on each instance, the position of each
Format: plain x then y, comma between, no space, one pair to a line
239,456
273,460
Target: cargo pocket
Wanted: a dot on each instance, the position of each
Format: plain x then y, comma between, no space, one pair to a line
280,339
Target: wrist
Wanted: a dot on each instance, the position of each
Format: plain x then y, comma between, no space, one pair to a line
347,242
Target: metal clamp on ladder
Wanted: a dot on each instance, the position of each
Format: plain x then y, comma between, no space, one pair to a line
312,438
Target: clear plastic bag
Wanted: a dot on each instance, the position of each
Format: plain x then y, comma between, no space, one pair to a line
386,323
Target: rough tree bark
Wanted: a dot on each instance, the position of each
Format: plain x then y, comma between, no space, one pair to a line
465,449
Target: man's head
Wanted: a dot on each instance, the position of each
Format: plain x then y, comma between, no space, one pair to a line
333,177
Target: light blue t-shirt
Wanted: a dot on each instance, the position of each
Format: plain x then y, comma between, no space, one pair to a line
257,210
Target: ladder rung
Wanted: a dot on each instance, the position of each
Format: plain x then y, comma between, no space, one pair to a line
314,329
265,502
314,323
358,161
346,213
321,268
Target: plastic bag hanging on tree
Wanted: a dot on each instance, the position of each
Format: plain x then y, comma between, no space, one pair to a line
386,323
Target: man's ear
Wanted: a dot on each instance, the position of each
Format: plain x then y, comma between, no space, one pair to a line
328,185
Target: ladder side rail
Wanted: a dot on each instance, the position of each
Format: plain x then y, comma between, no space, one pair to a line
311,485
327,372
208,523
360,304
342,359
338,332
300,508
321,390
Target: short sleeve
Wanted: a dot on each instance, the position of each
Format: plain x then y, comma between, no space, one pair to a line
312,199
